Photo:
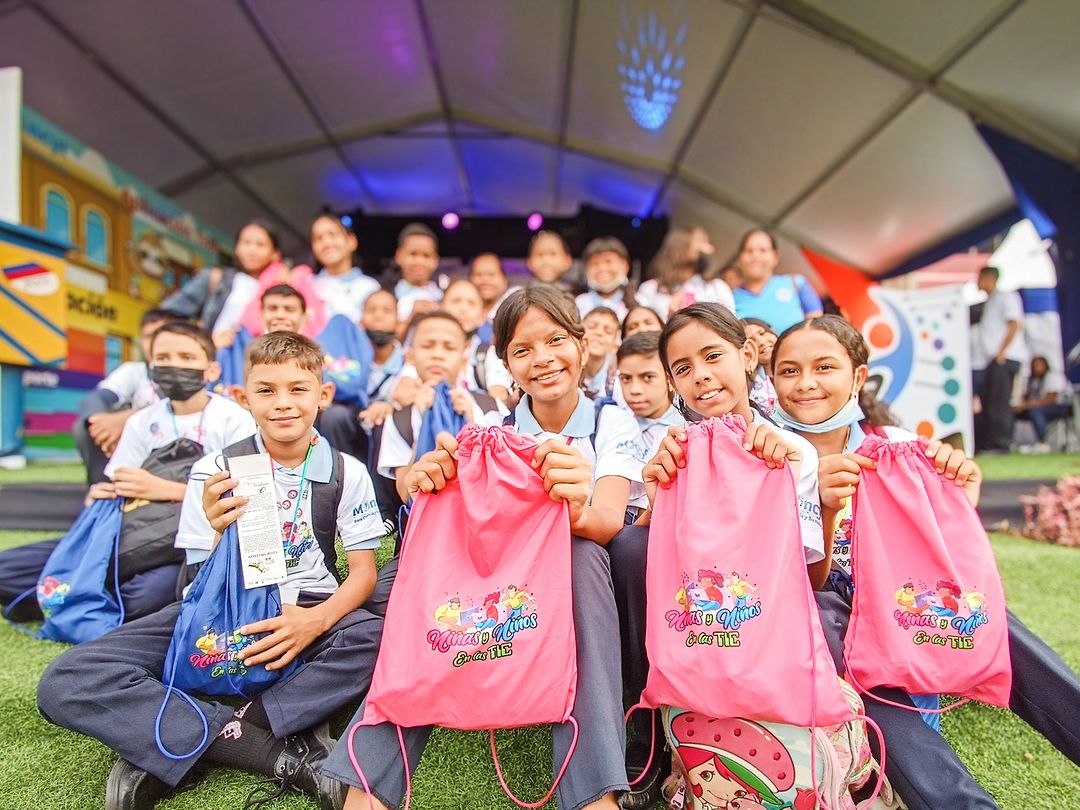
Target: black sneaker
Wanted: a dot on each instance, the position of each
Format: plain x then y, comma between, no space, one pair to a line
132,788
645,792
299,770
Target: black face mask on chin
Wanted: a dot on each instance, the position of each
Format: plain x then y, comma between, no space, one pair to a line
380,337
178,384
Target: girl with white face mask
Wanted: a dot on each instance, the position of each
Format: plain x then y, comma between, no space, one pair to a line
819,371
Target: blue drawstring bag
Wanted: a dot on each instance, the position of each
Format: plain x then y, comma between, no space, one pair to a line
231,359
347,356
79,587
439,418
203,655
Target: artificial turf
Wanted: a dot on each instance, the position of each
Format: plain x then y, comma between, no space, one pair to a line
42,766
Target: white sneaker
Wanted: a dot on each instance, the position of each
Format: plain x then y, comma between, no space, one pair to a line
13,462
1040,448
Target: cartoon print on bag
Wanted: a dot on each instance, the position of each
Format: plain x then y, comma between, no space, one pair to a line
216,651
943,607
487,628
841,551
51,593
340,369
710,599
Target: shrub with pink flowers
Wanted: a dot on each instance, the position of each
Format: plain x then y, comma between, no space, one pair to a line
1052,515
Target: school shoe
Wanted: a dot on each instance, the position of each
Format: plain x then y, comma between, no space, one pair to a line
646,792
131,788
299,770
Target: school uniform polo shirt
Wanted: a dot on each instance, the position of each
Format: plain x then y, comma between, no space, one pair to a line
806,491
221,423
359,522
616,451
345,294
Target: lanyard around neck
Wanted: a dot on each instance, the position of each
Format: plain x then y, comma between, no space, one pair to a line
198,430
299,490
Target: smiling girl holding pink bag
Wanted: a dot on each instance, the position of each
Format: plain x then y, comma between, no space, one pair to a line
820,367
708,359
588,459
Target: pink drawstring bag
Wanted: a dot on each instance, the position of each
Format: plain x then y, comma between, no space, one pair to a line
929,610
481,604
730,609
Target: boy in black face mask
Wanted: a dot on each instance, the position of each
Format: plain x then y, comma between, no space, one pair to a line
380,322
149,469
181,365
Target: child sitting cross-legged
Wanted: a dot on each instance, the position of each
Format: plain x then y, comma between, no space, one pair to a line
111,689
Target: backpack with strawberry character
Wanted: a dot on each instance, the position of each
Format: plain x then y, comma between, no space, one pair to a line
739,764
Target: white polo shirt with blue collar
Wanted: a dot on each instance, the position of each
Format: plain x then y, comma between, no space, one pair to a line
617,449
359,522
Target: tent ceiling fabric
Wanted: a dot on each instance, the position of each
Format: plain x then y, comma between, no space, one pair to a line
843,124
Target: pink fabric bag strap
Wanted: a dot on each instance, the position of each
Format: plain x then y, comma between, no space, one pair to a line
494,756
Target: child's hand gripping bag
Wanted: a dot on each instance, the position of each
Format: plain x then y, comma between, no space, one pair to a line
928,614
482,601
732,628
439,418
203,656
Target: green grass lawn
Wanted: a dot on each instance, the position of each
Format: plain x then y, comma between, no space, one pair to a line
1050,466
45,767
45,473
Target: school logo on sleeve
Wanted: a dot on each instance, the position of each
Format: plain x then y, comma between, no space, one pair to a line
220,652
484,629
942,615
713,607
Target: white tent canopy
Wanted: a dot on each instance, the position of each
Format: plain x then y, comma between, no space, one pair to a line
844,124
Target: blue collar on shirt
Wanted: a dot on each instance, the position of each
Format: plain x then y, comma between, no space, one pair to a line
581,424
403,287
321,463
670,417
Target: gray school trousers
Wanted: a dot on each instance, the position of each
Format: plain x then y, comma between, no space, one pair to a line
110,689
597,766
921,765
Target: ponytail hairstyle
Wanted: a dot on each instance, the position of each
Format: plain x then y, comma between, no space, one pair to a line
717,318
876,411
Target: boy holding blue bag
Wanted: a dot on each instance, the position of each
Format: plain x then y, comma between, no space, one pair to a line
112,689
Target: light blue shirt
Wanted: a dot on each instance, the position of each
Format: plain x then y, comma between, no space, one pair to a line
581,424
782,302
